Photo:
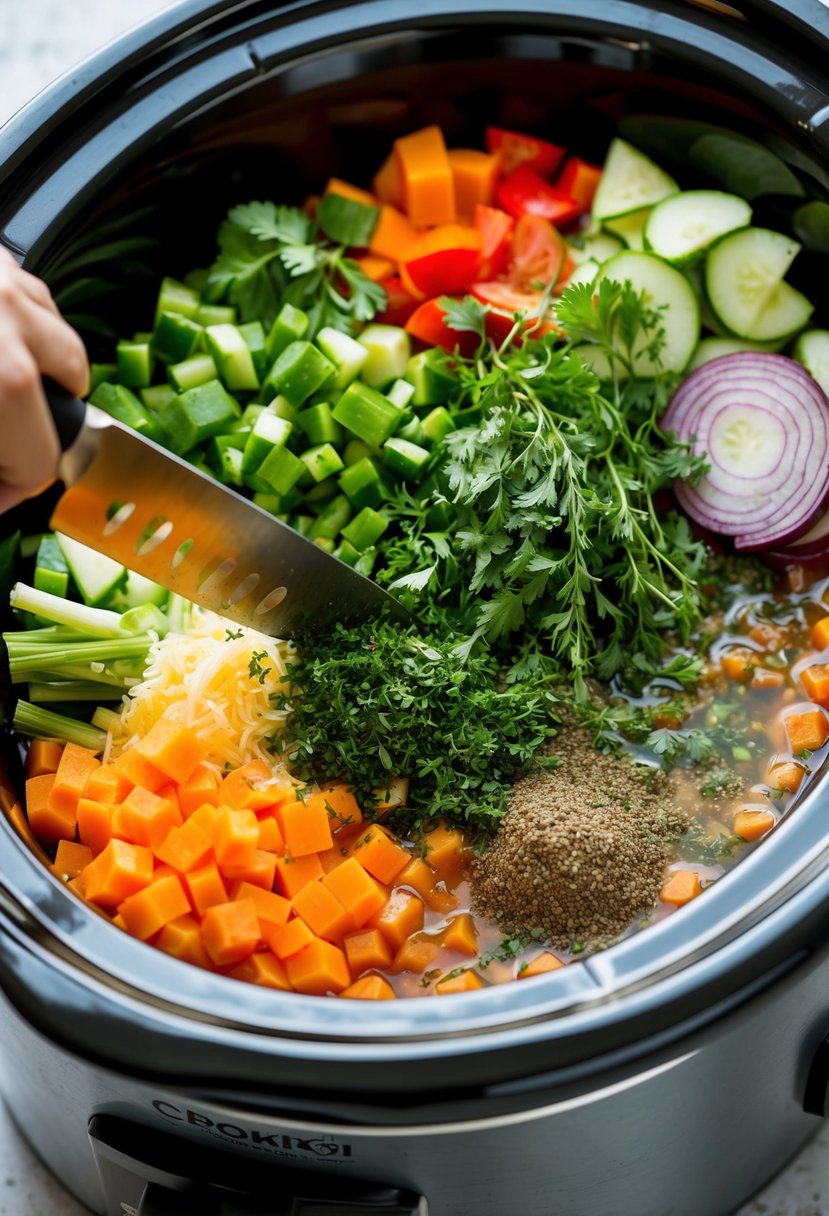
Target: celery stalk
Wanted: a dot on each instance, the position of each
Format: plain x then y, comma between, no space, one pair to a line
94,622
43,724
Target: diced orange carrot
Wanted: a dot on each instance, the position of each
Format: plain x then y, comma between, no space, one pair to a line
265,969
259,873
331,858
388,182
322,911
375,268
767,681
820,633
270,836
149,910
418,876
236,837
358,893
108,784
78,886
393,794
47,821
290,938
230,932
254,788
766,635
336,185
681,887
205,887
467,981
21,825
402,916
140,771
174,748
807,731
540,965
186,848
270,907
340,805
94,824
474,174
145,818
786,775
305,827
43,757
738,664
460,935
201,787
428,186
293,873
182,939
370,988
121,870
76,766
394,237
318,968
378,852
446,852
815,680
751,825
71,858
366,951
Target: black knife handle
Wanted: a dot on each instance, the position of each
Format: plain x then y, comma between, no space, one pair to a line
68,412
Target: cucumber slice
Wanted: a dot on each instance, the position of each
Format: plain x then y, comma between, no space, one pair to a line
786,312
682,226
812,350
138,591
596,247
97,577
741,272
630,228
596,359
585,272
630,181
713,348
665,288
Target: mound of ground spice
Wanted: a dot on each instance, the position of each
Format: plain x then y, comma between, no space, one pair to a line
582,849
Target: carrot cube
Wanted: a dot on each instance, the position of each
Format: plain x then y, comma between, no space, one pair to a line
293,873
540,965
230,932
446,852
173,748
786,775
428,186
78,886
820,633
141,771
270,907
767,681
375,268
681,888
49,822
205,887
107,784
290,938
460,935
148,911
739,664
76,766
322,911
402,916
474,174
43,757
467,981
145,818
807,731
378,853
265,969
416,954
21,825
260,873
252,788
370,988
186,847
182,939
815,680
388,182
236,837
95,824
202,786
355,890
305,827
394,235
318,968
71,858
366,951
751,825
341,806
121,870
270,837
333,857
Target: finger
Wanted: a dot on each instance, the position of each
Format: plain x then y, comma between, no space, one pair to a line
57,349
30,450
37,291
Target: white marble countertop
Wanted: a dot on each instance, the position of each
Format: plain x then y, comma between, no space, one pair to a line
39,39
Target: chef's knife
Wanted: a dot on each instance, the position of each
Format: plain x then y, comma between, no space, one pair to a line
137,503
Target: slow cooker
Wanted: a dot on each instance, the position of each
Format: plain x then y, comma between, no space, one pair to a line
669,1076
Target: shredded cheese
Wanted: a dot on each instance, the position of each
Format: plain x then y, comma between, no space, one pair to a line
217,679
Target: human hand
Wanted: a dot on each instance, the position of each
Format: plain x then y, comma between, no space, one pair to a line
35,341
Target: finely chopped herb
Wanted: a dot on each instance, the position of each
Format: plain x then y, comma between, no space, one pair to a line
583,847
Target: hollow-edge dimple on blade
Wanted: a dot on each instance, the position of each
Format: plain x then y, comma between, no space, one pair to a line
156,514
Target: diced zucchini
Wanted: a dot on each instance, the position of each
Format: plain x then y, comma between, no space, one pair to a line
291,325
367,414
198,414
331,521
299,371
97,577
355,450
401,393
135,364
280,470
389,348
438,423
122,404
414,432
322,461
268,432
175,337
433,382
363,483
365,529
254,335
232,357
630,181
198,369
347,355
101,372
216,314
319,425
157,396
408,460
177,297
282,407
347,553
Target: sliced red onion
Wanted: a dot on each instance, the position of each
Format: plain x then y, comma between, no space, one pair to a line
763,423
808,549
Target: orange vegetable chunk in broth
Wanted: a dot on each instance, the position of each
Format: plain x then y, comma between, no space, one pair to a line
304,826
540,965
786,775
293,873
186,847
230,932
252,787
145,818
807,731
270,907
322,911
148,911
819,633
95,824
417,954
751,825
43,757
259,873
205,887
108,784
460,935
140,771
182,939
290,938
201,787
173,748
270,836
366,951
681,888
738,664
74,770
265,969
358,893
119,871
379,853
815,680
402,915
467,981
71,859
426,175
236,837
48,822
370,988
342,807
318,968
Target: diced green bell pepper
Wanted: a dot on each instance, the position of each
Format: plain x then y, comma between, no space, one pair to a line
157,396
190,373
122,404
318,424
331,521
367,414
216,314
438,423
433,382
254,334
177,297
365,529
363,484
175,337
299,371
291,325
232,357
389,349
347,355
322,461
135,364
408,460
268,432
280,470
198,414
51,570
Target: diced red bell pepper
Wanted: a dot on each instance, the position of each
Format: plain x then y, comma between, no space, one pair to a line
495,227
524,192
579,179
516,149
399,303
444,261
427,324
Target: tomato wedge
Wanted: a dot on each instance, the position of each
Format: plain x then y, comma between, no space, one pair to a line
495,227
525,192
516,149
399,303
427,324
539,255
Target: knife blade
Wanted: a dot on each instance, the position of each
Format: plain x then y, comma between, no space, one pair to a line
156,514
